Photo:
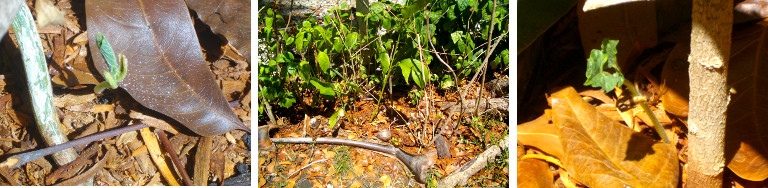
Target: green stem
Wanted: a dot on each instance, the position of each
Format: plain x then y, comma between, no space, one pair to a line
381,95
638,97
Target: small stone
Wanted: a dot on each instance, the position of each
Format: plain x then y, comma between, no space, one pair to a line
384,135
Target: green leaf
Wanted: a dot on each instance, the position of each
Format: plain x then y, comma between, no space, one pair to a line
405,66
336,116
351,39
417,78
287,100
337,45
463,4
304,70
289,40
306,24
356,88
284,57
446,82
602,68
108,54
385,62
300,41
414,7
325,88
323,61
386,23
412,68
377,7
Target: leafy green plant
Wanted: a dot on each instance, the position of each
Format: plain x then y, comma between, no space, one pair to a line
432,177
324,59
603,71
415,96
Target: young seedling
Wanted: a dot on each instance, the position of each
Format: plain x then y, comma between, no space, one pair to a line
116,72
603,71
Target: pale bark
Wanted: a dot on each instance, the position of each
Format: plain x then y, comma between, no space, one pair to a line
710,51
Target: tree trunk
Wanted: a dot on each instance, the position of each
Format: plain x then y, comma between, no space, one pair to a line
710,52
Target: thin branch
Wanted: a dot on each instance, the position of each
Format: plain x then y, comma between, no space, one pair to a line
174,158
19,159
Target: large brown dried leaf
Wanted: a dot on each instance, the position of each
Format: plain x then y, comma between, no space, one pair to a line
601,152
166,69
747,127
230,18
542,134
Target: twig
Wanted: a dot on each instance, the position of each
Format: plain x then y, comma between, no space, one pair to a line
268,107
174,158
308,165
203,161
19,159
154,151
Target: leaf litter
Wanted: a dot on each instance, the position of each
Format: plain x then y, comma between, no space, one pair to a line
82,113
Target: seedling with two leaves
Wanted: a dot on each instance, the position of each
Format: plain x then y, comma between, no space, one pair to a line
604,72
116,72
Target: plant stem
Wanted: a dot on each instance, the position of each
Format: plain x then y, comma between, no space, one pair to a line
39,84
639,98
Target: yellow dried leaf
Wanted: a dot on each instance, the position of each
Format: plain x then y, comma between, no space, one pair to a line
99,108
533,173
328,154
358,168
385,180
356,184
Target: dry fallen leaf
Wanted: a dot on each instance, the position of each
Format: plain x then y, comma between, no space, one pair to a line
385,180
542,134
604,153
674,79
356,184
168,72
534,173
747,121
48,14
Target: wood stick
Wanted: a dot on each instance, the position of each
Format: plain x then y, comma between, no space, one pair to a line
203,161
